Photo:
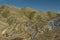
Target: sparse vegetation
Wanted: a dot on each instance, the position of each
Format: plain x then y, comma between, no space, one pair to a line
27,23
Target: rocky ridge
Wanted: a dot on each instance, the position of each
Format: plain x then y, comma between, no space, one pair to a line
26,23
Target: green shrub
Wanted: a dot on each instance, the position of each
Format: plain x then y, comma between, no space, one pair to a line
5,14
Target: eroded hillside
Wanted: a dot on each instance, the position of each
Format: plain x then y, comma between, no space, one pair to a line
26,24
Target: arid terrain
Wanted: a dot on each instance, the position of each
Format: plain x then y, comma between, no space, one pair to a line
28,24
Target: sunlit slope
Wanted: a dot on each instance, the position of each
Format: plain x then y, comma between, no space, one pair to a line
26,22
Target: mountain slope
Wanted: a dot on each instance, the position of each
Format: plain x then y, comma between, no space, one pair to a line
25,23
